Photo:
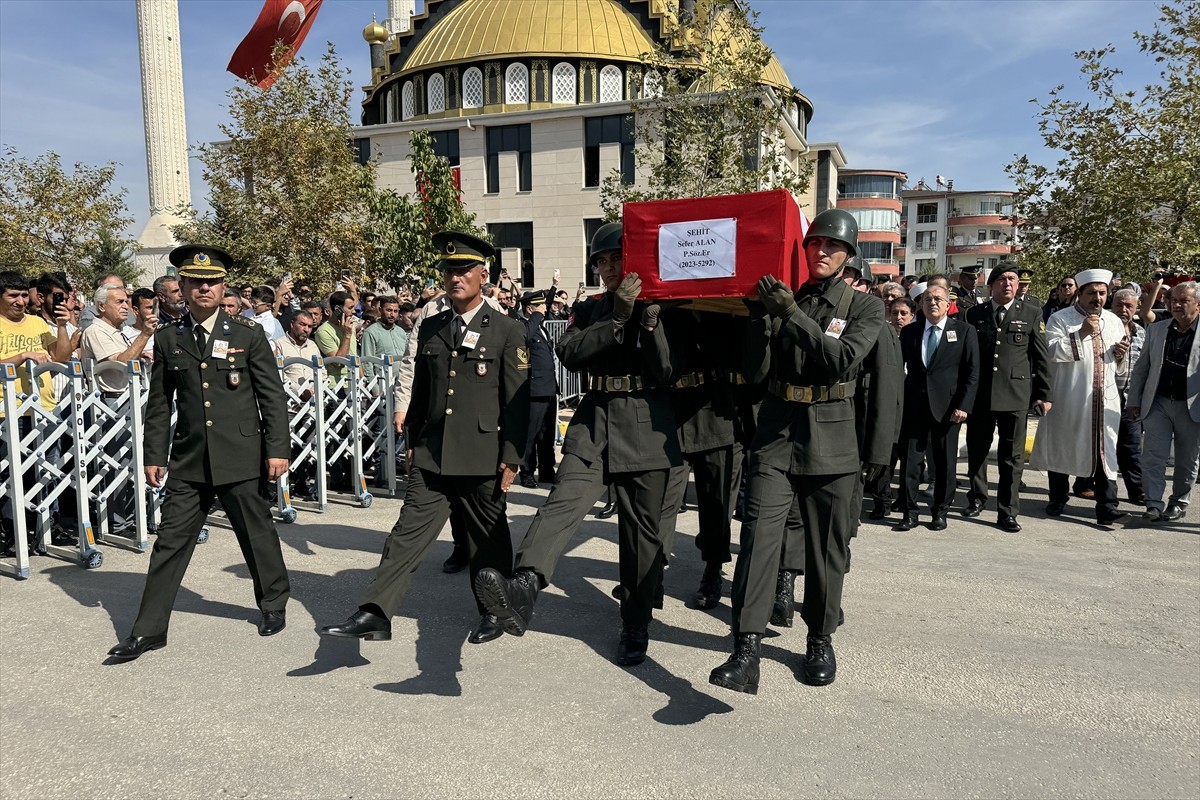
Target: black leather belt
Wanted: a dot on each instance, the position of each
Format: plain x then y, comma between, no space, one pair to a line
812,394
690,380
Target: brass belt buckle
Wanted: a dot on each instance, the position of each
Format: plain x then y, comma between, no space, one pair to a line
800,394
617,384
686,381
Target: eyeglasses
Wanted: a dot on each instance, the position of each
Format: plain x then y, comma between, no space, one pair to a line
1066,286
937,301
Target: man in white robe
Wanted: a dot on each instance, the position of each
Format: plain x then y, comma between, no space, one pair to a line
1079,435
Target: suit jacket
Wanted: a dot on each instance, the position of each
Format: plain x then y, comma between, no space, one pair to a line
628,431
1014,369
1143,385
952,378
470,405
232,411
880,398
812,438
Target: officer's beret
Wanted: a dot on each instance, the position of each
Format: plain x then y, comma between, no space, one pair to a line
1004,268
460,250
201,261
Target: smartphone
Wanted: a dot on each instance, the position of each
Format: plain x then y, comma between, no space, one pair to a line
581,284
345,274
287,276
429,283
557,274
336,312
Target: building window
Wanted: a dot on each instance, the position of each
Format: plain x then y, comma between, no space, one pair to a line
926,240
989,207
406,101
652,84
925,266
927,212
564,83
362,150
540,82
453,89
633,82
611,89
615,129
981,235
876,219
509,139
445,144
516,84
437,94
389,105
876,252
588,88
473,88
590,226
853,186
493,85
508,235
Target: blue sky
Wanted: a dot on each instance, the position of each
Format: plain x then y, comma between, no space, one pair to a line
931,88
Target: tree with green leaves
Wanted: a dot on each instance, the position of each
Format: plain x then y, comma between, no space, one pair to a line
112,255
709,125
402,226
52,220
291,193
1124,190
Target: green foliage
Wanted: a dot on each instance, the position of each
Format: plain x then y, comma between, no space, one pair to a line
1124,193
714,127
51,220
286,189
402,226
112,255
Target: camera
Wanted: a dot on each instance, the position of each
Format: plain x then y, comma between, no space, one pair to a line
1159,275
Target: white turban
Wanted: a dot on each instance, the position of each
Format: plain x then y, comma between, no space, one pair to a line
1104,276
917,290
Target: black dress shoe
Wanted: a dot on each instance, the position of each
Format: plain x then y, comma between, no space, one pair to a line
609,509
784,609
528,482
820,663
489,629
134,646
938,523
974,509
1055,509
361,625
1173,512
879,511
1117,519
740,671
1009,524
709,594
631,650
272,622
509,599
457,561
908,523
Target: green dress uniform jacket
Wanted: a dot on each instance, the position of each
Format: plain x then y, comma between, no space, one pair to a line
1014,369
232,410
470,405
880,398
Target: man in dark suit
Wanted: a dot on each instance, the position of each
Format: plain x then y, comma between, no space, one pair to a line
466,428
623,433
1014,377
941,356
231,435
543,395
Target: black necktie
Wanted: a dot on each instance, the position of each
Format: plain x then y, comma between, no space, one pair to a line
199,330
1001,312
459,328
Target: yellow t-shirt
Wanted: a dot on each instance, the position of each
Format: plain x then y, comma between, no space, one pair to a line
31,333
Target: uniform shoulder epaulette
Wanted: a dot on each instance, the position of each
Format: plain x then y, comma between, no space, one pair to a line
249,323
162,326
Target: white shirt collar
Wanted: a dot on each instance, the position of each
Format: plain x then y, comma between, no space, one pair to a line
470,315
941,326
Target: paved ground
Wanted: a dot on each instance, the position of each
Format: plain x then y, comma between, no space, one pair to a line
1064,661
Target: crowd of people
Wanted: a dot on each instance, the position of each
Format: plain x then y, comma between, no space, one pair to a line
788,417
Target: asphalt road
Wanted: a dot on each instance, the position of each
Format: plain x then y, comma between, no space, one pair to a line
1063,661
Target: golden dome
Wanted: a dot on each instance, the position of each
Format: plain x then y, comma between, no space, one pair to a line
375,33
492,29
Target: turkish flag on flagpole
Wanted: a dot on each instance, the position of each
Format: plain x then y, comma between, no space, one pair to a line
285,21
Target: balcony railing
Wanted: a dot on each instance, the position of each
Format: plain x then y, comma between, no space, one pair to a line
880,195
926,218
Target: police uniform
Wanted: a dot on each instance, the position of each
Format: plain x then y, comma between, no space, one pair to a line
222,377
468,415
1014,374
538,462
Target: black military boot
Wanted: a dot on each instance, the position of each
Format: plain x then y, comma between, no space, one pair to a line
631,650
820,664
785,599
509,599
709,594
740,672
880,511
610,506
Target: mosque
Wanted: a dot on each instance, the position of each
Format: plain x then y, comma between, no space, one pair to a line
531,102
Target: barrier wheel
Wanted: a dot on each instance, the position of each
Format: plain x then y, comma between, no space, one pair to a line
203,537
365,499
288,515
92,560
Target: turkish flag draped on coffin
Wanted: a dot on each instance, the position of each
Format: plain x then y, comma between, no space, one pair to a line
285,21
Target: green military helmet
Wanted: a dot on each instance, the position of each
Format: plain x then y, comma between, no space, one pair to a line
834,223
607,237
860,265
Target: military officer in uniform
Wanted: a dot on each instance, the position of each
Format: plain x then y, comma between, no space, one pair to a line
1014,376
1024,279
810,344
538,464
967,294
623,433
466,428
231,435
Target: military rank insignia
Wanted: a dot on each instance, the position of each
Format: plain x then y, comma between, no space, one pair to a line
522,358
481,368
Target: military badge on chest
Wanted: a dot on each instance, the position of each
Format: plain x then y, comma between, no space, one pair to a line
235,379
481,368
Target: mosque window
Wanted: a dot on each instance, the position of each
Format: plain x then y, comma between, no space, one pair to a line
453,88
652,84
633,83
539,83
611,89
516,84
615,129
406,101
419,95
437,94
389,105
509,139
473,88
588,90
493,92
564,83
